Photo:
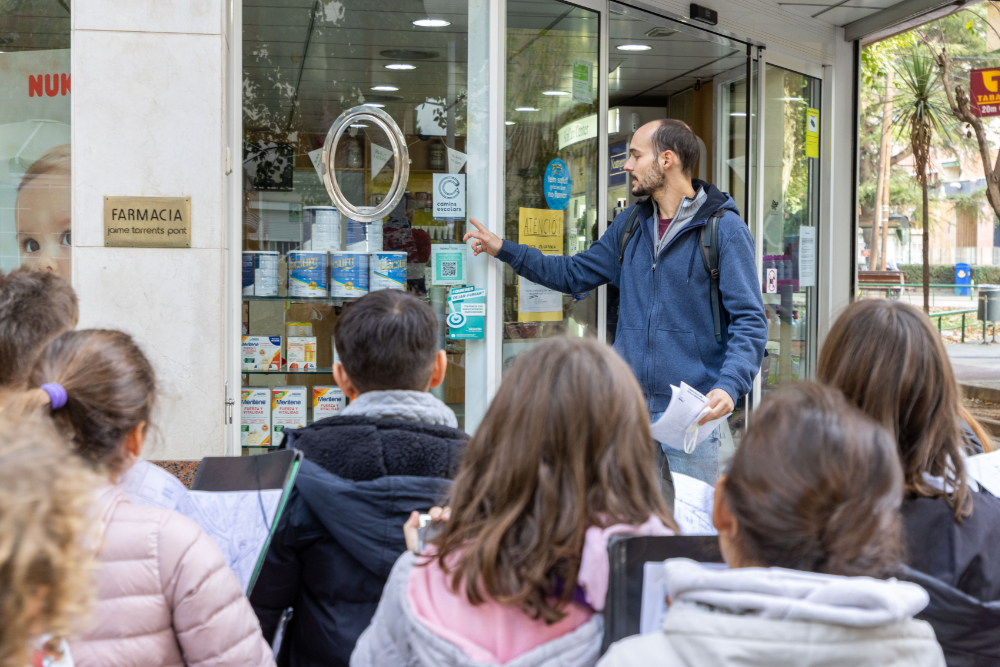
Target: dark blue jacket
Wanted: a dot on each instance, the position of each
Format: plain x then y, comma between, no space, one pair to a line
342,528
665,328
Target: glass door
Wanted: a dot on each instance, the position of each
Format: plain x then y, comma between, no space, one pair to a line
791,214
552,125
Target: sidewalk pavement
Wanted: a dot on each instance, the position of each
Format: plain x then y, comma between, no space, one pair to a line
976,364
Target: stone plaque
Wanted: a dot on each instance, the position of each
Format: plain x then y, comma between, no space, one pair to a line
147,222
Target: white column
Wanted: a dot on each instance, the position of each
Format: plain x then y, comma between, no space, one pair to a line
147,104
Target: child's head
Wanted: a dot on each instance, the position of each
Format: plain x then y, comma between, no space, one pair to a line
564,445
887,359
109,390
45,496
814,486
42,213
388,340
35,307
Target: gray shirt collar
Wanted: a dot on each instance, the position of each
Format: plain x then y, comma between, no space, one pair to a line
685,212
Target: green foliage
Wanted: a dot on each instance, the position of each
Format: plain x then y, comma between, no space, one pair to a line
944,274
877,58
904,191
921,102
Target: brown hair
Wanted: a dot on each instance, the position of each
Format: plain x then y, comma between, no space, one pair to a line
35,306
888,360
45,502
387,340
110,388
675,136
816,486
985,439
564,445
56,160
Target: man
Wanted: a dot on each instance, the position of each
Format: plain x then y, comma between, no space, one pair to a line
666,328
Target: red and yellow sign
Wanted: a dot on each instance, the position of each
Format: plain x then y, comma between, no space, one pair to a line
984,87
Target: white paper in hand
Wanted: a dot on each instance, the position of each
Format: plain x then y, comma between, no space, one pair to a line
684,410
985,469
693,504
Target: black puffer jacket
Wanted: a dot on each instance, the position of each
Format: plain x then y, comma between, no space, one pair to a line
341,531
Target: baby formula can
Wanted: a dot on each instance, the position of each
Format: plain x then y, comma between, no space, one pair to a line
307,273
364,237
388,271
348,274
260,273
323,225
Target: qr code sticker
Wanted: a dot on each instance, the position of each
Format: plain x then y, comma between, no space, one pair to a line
449,269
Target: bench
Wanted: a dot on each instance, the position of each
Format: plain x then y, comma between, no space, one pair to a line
890,282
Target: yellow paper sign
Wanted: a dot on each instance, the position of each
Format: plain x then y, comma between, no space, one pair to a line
812,132
543,229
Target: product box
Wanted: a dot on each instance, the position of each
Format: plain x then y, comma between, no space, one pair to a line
301,353
327,401
288,410
262,353
255,417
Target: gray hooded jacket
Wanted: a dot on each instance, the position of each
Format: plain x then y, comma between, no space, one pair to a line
397,639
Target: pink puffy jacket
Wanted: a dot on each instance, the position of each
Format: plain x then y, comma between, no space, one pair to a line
165,596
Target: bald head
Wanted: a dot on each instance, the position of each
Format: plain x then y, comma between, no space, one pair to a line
671,135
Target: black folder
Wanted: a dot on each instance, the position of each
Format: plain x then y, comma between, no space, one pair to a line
628,555
275,470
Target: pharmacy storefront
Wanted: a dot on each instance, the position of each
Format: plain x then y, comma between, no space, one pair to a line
318,151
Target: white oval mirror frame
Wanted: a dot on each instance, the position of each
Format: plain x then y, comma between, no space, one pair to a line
400,174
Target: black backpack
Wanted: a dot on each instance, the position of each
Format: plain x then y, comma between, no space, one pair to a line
709,257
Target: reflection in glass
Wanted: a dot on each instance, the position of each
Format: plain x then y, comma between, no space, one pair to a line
791,212
550,199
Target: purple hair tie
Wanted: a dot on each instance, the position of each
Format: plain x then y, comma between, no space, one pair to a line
56,394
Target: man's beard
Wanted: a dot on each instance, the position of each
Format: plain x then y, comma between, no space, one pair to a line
650,182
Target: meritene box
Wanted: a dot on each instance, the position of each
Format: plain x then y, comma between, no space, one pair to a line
261,353
327,401
255,417
288,410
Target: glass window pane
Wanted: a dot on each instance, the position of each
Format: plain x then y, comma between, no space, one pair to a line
426,67
550,189
791,213
35,86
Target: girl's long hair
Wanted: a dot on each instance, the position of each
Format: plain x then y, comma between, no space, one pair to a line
565,445
887,359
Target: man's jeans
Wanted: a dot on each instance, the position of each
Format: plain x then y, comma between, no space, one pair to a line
702,463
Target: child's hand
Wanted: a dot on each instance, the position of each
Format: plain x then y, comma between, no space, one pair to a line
412,526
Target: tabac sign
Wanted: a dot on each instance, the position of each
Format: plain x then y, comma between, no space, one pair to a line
147,222
984,85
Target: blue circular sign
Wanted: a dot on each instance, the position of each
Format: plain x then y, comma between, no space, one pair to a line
557,185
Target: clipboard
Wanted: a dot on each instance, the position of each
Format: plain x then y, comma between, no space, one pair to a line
628,555
264,472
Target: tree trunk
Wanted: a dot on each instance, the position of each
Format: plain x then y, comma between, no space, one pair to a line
880,224
927,243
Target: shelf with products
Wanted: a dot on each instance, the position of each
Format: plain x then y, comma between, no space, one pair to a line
321,370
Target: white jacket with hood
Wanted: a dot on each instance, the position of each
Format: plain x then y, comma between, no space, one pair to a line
773,617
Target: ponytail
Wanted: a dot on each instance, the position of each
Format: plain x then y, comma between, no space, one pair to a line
96,386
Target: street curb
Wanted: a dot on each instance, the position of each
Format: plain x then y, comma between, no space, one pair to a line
987,394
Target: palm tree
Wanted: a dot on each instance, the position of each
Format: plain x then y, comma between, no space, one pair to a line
922,111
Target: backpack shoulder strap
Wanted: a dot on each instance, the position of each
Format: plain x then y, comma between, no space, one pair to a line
628,231
710,258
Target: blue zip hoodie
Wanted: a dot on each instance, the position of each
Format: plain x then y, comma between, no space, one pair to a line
665,328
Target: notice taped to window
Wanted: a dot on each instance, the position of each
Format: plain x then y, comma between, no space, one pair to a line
147,222
542,229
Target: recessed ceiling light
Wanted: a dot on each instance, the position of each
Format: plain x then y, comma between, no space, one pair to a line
374,104
400,66
431,23
634,47
358,125
385,88
791,99
738,114
526,109
509,122
554,93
